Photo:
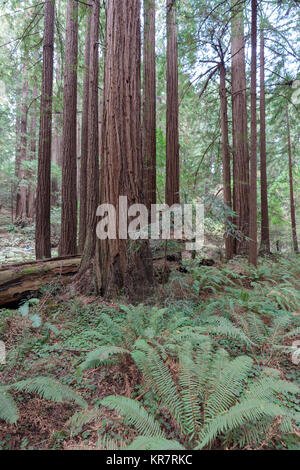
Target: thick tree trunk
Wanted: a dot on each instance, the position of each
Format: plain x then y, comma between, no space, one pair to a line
253,160
92,196
16,280
172,156
225,156
265,248
84,137
42,234
69,154
292,199
21,206
122,265
149,104
240,132
32,156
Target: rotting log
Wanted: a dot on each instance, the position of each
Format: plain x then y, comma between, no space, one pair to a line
17,279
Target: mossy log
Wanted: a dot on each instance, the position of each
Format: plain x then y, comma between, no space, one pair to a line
17,279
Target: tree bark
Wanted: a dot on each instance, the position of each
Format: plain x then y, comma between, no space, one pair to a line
225,156
21,207
149,104
84,137
122,265
16,280
172,151
69,154
240,132
253,160
292,199
42,233
265,248
92,195
32,156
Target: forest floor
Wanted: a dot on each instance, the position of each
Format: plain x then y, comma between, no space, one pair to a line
17,244
53,336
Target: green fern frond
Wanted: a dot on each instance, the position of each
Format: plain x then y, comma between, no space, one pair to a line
8,409
228,386
82,417
101,356
237,416
135,414
153,443
50,389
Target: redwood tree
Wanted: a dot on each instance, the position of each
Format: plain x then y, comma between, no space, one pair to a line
92,195
265,231
42,233
253,160
225,154
122,265
84,137
32,155
69,155
149,104
292,199
172,155
21,208
240,132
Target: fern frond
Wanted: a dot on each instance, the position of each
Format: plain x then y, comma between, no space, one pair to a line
50,389
153,443
8,408
135,414
101,356
237,416
228,386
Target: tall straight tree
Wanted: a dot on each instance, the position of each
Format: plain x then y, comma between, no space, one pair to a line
32,154
21,209
172,155
253,159
68,237
239,123
265,231
149,104
92,197
225,154
42,231
292,198
122,265
84,136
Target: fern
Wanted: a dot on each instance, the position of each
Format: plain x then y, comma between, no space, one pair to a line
8,409
135,414
50,389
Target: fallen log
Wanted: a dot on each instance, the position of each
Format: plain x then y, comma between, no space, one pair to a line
17,279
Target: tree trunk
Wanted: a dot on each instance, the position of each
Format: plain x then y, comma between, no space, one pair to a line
32,156
42,234
122,265
17,280
84,137
265,231
225,156
92,196
21,207
292,199
253,160
69,154
172,152
149,104
240,132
